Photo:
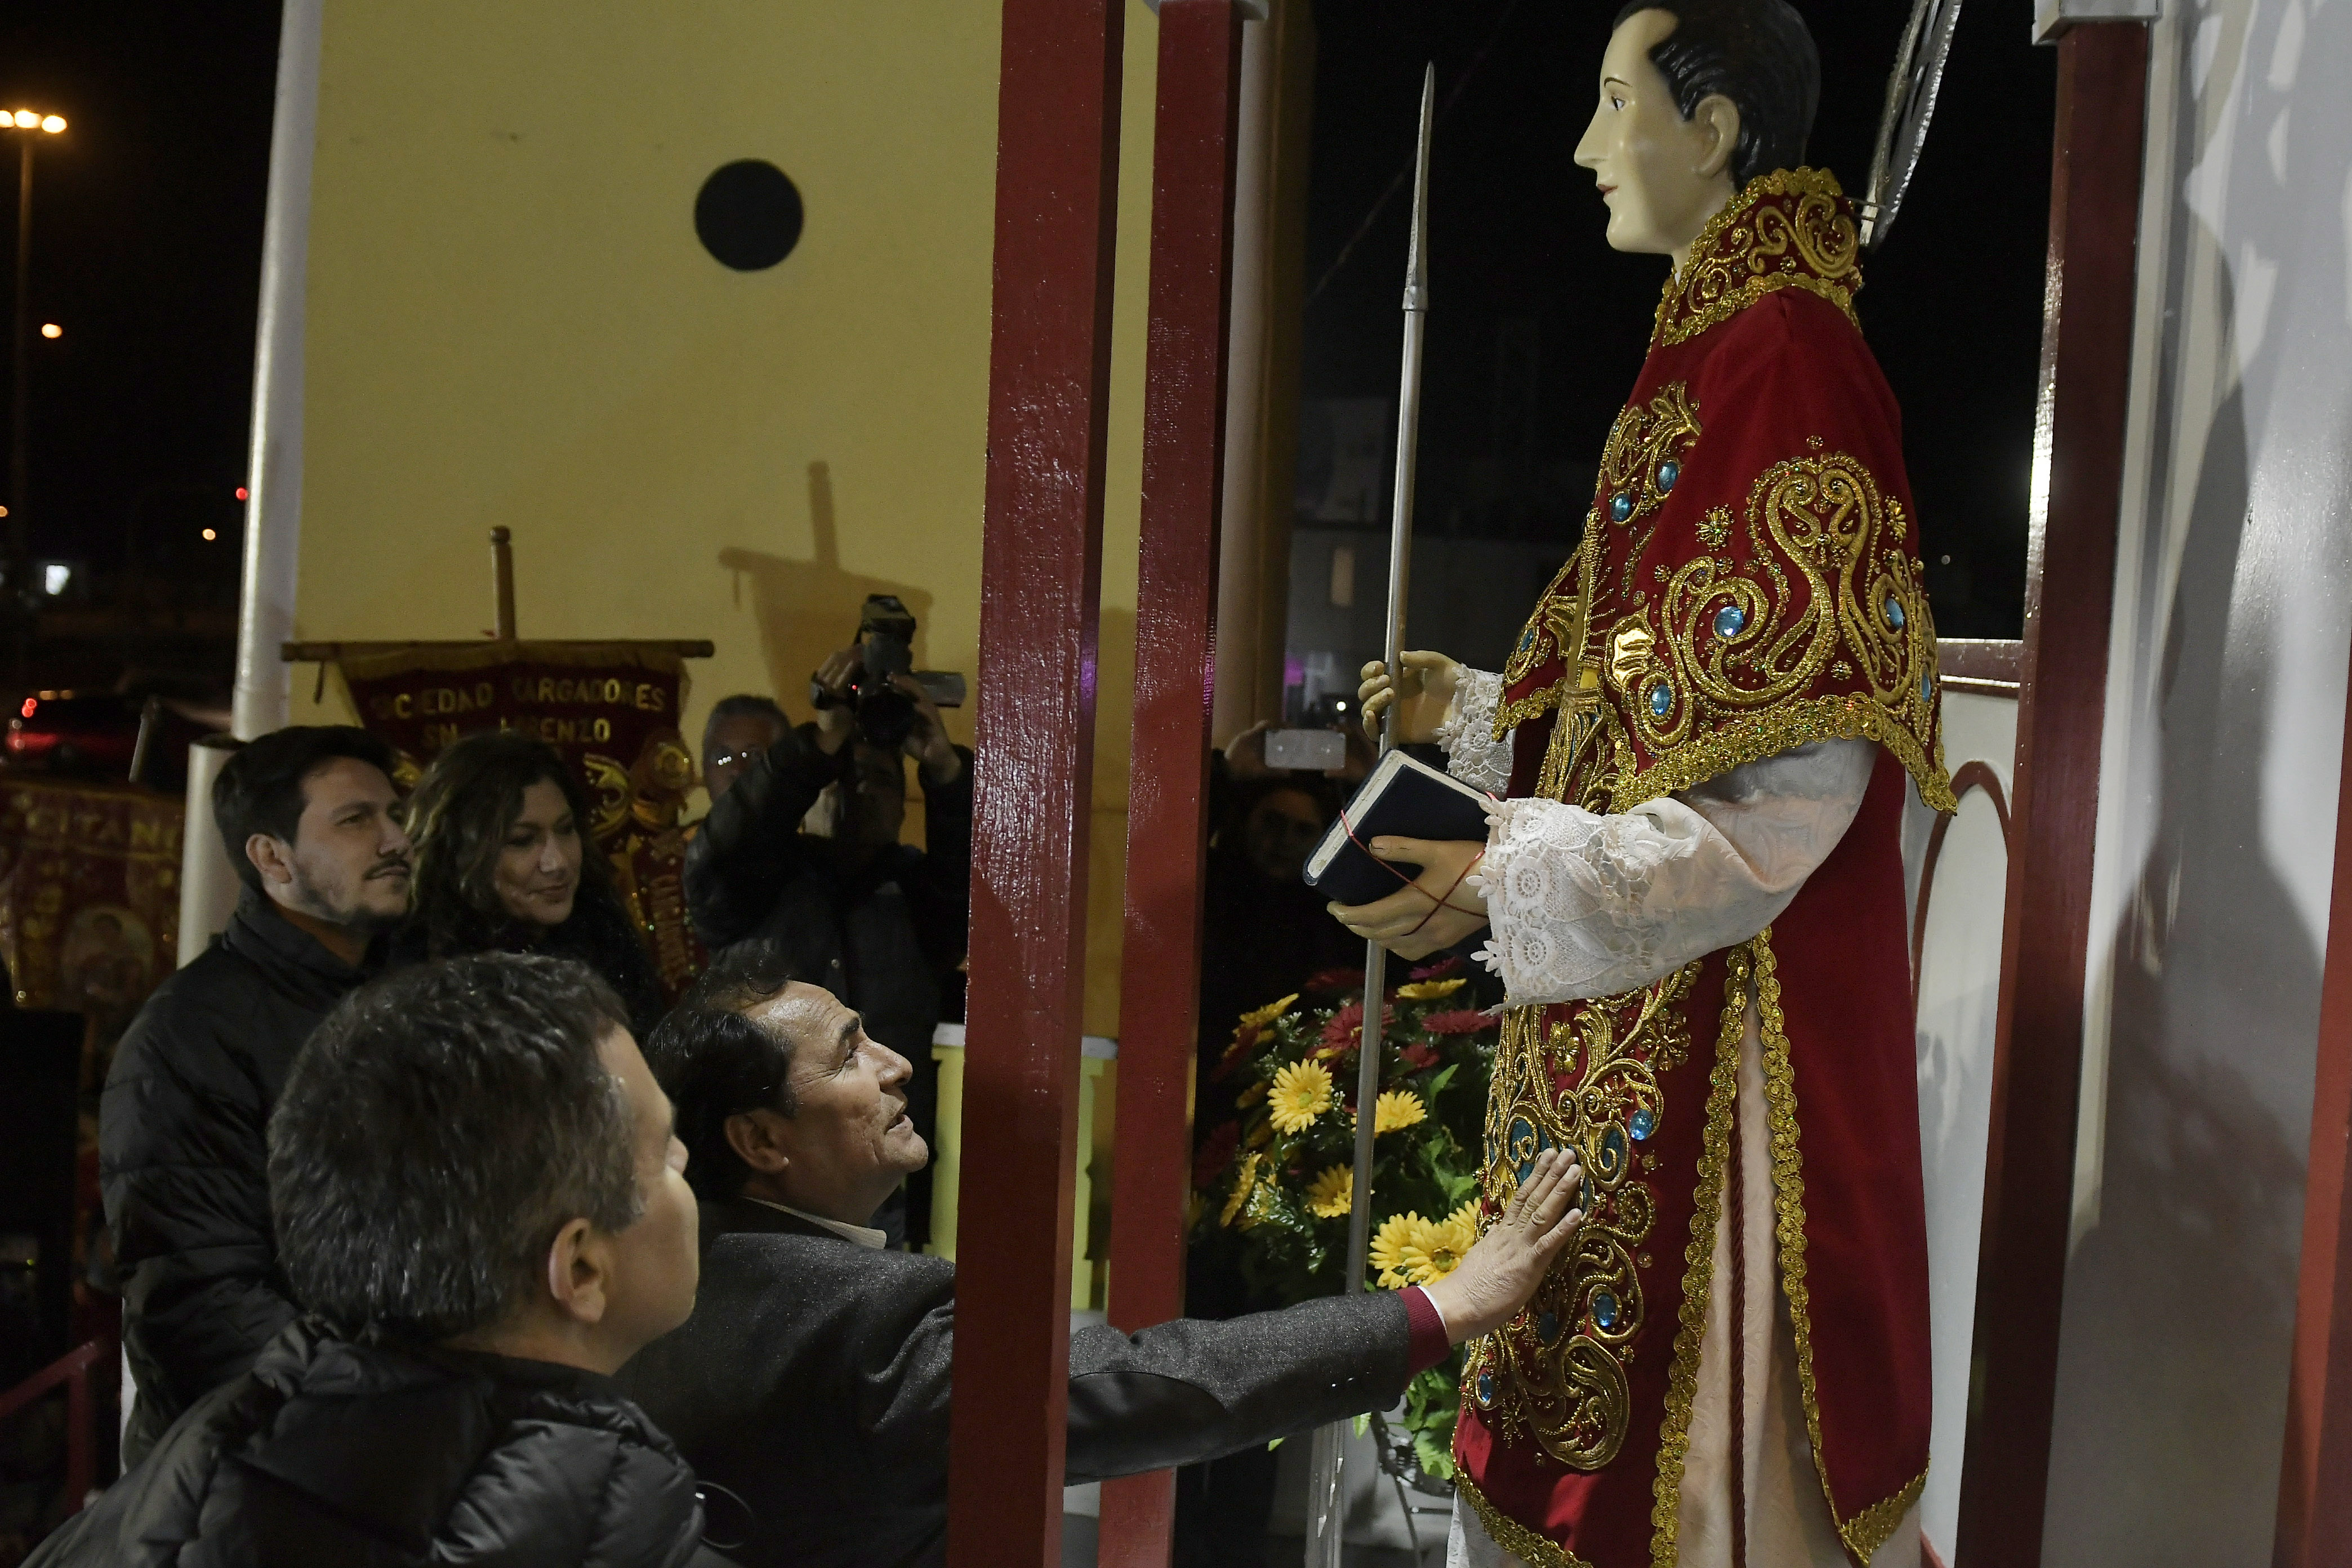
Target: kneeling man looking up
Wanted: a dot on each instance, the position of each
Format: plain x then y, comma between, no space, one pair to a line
811,1380
481,1205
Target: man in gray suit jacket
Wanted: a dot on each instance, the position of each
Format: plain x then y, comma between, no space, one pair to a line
810,1388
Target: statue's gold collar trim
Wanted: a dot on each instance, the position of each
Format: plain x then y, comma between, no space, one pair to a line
1793,228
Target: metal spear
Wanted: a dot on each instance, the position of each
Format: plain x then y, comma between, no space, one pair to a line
1326,1497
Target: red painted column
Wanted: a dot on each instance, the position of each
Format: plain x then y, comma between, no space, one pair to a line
2069,592
2315,1507
1175,657
1041,568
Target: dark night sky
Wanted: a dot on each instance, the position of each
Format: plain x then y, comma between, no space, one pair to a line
146,249
147,229
1952,304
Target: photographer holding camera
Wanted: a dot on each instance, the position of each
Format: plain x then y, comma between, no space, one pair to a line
879,923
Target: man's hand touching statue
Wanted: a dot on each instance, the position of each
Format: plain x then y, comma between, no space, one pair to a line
1497,1277
1436,911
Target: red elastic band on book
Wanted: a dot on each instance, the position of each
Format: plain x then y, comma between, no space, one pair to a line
1349,829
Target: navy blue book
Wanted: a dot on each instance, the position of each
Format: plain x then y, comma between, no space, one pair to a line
1403,798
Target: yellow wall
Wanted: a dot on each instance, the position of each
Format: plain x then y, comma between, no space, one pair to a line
510,321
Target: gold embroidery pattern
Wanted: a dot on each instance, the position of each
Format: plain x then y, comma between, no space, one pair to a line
1865,1531
1558,623
1642,461
1535,1551
1716,683
1555,1372
1714,528
1698,1256
1756,246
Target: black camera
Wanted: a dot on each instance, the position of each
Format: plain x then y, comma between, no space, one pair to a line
886,644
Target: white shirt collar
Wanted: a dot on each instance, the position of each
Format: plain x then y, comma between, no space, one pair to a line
859,1234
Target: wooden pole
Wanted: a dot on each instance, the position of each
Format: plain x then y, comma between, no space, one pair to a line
502,583
1041,567
1175,666
2070,590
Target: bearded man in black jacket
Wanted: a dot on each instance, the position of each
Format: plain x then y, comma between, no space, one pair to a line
810,1384
481,1201
307,815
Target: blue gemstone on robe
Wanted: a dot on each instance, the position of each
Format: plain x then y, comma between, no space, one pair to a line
1620,506
1604,1309
1613,1147
1928,687
1668,472
1485,1388
1728,620
1894,617
1527,639
1662,699
1645,1122
1546,1327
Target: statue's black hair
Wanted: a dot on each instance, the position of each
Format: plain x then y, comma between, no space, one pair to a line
1758,54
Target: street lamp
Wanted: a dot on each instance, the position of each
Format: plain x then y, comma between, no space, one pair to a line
28,125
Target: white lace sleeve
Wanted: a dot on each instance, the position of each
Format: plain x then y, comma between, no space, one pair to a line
1472,753
1582,905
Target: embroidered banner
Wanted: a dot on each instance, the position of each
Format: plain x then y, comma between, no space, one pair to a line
89,901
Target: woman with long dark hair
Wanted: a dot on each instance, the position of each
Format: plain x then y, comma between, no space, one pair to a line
503,860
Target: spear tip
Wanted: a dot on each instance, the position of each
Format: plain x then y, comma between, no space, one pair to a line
1416,264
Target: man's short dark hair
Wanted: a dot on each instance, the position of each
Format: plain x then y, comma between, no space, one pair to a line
1758,54
743,705
436,1132
714,1063
260,787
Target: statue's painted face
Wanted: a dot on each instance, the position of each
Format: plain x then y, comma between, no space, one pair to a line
1661,176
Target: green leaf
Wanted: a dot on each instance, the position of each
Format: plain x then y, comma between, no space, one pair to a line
1363,1425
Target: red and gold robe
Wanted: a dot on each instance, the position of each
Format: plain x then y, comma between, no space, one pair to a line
1748,583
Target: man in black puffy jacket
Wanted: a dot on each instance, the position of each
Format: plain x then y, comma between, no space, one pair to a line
480,1200
307,815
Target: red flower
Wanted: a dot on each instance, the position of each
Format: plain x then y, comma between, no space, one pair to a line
1419,1056
1439,970
1345,1031
1462,1021
1215,1153
1329,980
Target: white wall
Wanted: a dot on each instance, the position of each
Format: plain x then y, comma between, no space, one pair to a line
1959,985
2217,810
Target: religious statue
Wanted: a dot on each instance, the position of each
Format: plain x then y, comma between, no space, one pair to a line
1694,890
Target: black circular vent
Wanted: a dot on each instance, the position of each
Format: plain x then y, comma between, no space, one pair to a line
747,215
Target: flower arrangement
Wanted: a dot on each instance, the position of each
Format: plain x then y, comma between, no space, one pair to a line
1280,1175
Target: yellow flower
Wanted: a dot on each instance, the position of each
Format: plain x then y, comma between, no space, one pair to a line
1250,1095
1452,1239
1259,1017
1333,1192
1396,1110
1302,1091
1410,1250
1395,1247
1430,990
1241,1184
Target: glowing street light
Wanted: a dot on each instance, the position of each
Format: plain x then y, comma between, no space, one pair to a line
26,121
